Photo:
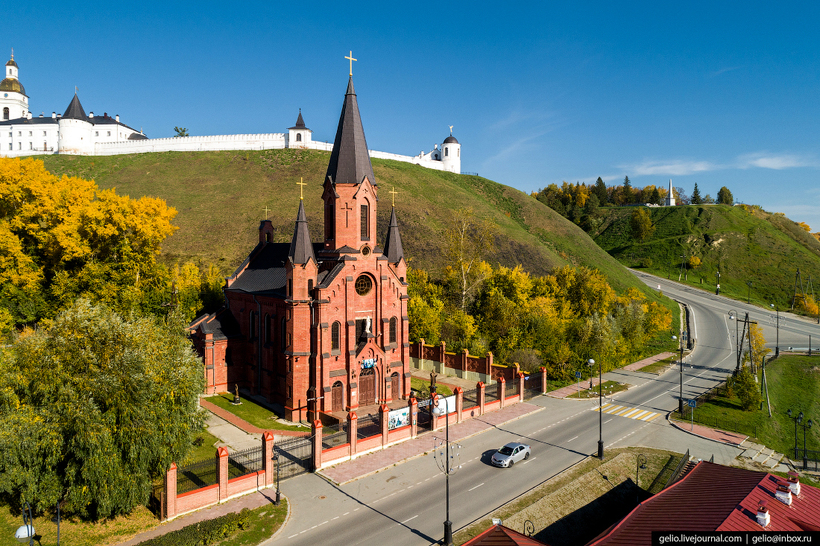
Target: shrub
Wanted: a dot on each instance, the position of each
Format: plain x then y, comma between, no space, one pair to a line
645,263
205,532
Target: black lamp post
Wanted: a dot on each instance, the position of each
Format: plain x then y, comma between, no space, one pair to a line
777,343
733,316
680,396
600,411
276,462
640,463
446,463
717,284
797,419
749,293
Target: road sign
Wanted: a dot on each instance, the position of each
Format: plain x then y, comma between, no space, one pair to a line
692,403
578,375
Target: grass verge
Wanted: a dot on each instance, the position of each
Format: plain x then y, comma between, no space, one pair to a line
422,386
609,387
251,412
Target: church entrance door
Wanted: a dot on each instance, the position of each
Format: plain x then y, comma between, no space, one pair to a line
395,391
337,397
367,387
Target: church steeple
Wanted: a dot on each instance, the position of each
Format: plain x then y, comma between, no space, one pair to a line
350,160
301,249
393,250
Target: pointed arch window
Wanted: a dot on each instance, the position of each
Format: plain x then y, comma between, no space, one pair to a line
393,322
365,223
6,113
335,336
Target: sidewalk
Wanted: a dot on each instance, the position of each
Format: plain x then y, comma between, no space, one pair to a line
563,392
373,462
722,436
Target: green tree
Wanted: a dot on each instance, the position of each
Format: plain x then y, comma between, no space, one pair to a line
641,224
425,307
181,132
93,407
469,240
600,191
746,389
627,191
696,199
725,196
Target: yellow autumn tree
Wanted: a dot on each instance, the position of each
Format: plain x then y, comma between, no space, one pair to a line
62,237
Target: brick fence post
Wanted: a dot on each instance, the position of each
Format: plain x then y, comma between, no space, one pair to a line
480,396
459,403
384,417
520,386
267,457
170,492
414,417
352,431
463,360
317,444
543,380
222,472
489,362
502,390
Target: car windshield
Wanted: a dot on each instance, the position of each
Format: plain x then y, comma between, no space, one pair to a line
506,450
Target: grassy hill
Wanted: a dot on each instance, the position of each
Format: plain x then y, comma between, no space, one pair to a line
221,197
745,243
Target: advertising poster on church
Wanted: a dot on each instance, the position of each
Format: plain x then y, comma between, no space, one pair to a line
398,418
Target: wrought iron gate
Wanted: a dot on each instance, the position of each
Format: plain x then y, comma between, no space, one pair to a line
295,456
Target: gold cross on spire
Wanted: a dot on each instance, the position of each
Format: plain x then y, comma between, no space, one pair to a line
351,59
451,130
393,193
301,188
266,212
12,54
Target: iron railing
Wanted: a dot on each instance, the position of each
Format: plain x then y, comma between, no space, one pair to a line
334,436
490,394
469,399
676,474
512,387
247,461
196,475
367,426
295,456
809,458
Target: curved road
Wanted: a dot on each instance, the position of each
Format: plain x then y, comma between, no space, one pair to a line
404,504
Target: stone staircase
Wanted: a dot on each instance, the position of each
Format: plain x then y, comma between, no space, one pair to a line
763,455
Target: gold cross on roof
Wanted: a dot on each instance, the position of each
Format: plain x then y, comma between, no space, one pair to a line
351,59
301,188
266,212
393,193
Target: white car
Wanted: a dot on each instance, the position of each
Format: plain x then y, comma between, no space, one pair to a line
511,454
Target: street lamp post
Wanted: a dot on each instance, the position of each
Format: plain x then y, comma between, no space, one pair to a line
777,343
717,284
600,410
680,360
278,493
640,463
446,463
797,419
26,531
733,316
749,293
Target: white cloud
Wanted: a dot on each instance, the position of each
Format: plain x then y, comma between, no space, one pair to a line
778,162
669,167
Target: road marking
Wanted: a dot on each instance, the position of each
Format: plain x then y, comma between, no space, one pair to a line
476,487
337,517
356,509
628,412
571,439
321,524
296,535
346,513
414,517
607,421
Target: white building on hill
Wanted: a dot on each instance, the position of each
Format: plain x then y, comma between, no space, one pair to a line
74,132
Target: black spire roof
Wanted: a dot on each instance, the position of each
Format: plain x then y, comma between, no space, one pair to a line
350,160
75,110
392,242
300,123
300,247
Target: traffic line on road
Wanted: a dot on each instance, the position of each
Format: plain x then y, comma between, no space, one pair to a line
628,412
476,487
414,517
571,439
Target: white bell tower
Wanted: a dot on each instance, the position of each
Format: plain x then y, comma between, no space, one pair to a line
13,99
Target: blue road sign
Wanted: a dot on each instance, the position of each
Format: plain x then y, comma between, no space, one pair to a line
692,403
578,375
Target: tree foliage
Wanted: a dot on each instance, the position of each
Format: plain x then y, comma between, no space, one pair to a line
696,198
725,196
743,384
641,224
92,407
469,239
181,132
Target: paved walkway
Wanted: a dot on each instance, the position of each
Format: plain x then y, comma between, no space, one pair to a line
563,392
722,436
373,462
635,366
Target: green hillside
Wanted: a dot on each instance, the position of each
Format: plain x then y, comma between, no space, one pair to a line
221,197
745,243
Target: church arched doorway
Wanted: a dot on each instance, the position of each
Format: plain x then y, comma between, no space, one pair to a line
337,397
395,390
367,387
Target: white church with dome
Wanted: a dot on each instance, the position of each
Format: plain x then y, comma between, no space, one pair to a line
77,133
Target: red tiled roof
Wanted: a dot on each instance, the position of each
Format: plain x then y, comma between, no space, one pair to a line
498,535
714,497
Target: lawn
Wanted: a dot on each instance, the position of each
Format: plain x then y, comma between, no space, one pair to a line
660,366
252,412
609,387
422,386
204,446
794,383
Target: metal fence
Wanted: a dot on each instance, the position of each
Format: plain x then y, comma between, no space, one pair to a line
294,456
714,422
469,399
809,458
512,387
245,462
367,426
334,435
156,503
196,475
532,385
679,470
490,394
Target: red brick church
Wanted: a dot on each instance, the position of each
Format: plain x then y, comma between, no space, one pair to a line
318,326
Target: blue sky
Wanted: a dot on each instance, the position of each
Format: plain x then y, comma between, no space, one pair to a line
713,93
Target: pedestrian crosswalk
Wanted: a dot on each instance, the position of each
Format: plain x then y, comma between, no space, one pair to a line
630,413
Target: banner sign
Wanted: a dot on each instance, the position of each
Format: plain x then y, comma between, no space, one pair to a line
448,404
368,363
398,418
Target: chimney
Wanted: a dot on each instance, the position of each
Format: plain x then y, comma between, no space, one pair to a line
91,114
794,483
118,118
28,115
763,517
54,115
784,494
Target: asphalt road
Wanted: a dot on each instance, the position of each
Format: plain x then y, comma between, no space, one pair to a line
405,504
